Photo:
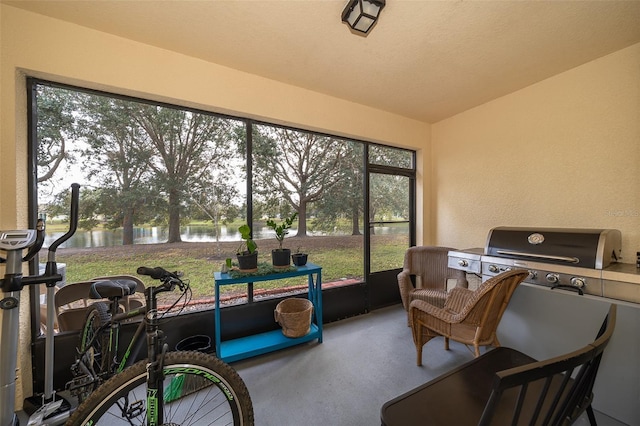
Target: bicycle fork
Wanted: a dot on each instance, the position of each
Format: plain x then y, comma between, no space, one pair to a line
155,367
155,383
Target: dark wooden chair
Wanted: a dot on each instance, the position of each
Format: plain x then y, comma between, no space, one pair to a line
562,396
507,387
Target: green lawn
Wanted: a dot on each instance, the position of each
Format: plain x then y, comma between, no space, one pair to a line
340,257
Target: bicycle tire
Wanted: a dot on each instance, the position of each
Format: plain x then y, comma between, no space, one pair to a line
203,379
93,349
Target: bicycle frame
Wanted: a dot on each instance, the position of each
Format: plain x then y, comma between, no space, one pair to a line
156,348
114,338
148,324
155,341
196,386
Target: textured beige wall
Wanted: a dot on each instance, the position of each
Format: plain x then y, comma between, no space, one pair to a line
561,153
564,152
33,45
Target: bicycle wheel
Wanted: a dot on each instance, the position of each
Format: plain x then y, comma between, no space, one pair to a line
199,389
92,366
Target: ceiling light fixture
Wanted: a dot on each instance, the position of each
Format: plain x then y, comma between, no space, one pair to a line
362,15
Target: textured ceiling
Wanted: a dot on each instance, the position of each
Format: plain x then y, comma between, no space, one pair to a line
426,60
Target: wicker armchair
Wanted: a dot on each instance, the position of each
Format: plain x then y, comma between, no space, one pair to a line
469,317
430,265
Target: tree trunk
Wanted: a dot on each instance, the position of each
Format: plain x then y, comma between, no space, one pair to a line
302,220
127,227
174,217
355,221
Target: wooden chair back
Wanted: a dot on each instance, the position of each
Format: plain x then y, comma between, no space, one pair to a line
550,392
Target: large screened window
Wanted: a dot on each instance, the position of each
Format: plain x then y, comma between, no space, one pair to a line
320,178
160,186
168,186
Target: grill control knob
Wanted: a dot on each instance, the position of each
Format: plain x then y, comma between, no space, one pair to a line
533,274
553,278
463,263
578,282
494,268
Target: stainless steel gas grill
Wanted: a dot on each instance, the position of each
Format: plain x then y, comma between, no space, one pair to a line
564,258
542,322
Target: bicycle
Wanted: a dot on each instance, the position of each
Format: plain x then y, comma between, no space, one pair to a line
182,387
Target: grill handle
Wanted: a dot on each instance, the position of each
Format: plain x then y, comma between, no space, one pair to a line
569,287
539,256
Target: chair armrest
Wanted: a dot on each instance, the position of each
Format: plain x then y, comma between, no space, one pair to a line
460,276
405,286
443,314
458,299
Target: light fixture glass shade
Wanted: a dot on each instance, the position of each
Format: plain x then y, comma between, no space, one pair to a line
361,15
370,8
363,24
354,14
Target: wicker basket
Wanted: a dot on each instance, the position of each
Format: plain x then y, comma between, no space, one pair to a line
294,316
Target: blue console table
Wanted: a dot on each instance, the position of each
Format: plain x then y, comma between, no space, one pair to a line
257,344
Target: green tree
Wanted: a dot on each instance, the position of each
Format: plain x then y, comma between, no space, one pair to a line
388,200
187,148
215,201
117,159
346,198
55,125
389,193
298,167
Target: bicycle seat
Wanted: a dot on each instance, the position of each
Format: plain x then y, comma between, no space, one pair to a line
107,289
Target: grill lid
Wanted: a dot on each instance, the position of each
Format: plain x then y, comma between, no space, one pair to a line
585,248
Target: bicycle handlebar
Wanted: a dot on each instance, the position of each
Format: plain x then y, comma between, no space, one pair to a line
169,279
156,273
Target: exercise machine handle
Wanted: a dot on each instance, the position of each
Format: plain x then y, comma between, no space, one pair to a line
73,221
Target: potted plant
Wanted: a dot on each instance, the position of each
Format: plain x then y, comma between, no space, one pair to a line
299,258
247,253
281,257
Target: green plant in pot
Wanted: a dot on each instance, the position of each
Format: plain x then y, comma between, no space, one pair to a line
247,253
299,258
281,257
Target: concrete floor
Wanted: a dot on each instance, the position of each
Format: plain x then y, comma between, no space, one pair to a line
362,363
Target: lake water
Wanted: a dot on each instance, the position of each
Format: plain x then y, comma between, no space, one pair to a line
147,235
158,234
